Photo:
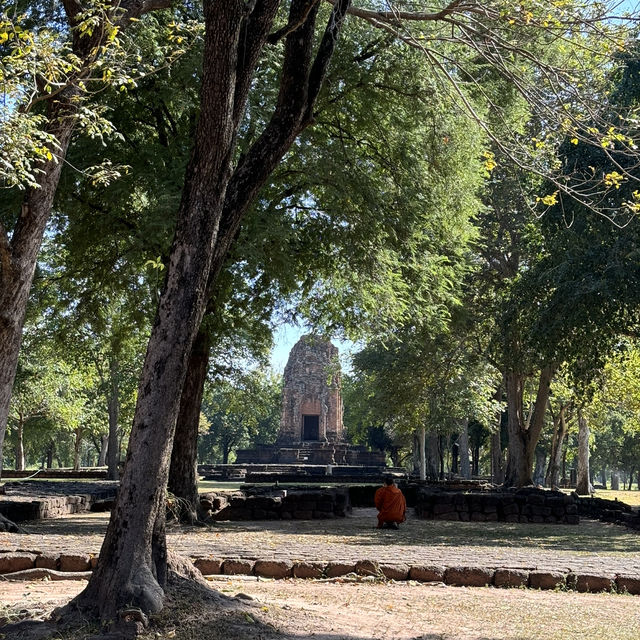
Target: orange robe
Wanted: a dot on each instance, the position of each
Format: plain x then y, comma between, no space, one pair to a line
391,504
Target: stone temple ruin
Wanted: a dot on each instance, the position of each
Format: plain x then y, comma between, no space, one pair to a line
311,428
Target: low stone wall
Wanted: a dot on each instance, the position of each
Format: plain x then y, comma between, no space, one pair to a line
289,473
363,495
35,565
277,504
37,500
609,511
86,473
522,505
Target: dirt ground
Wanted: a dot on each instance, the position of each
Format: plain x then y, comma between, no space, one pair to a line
253,609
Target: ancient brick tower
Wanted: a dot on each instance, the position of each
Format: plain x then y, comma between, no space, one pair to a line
312,402
311,429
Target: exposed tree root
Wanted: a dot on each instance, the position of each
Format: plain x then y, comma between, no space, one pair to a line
8,525
40,573
189,601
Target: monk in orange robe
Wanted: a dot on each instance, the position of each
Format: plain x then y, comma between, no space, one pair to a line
390,504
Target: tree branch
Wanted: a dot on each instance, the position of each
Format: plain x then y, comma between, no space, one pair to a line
256,27
418,16
289,118
292,24
136,8
325,52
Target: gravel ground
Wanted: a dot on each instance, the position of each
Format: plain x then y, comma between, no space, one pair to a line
590,546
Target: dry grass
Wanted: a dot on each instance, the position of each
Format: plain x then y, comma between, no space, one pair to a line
629,497
295,609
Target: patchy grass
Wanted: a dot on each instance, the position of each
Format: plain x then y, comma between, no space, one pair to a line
629,497
204,486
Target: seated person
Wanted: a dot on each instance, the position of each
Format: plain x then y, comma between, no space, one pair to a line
390,504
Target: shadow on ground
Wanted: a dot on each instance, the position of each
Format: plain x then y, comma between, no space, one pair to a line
588,537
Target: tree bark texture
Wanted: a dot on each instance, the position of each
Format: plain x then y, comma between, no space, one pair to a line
422,448
432,456
539,470
497,462
183,473
463,442
102,454
113,410
552,478
615,481
18,258
302,77
18,255
524,433
583,484
132,565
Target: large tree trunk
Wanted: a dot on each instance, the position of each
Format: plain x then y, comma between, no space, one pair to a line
18,258
183,473
293,113
615,481
463,442
552,479
524,434
539,471
132,566
432,456
583,485
113,410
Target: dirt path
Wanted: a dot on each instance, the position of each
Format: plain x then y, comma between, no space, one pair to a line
295,609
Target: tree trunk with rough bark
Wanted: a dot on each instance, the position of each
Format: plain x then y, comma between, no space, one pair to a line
18,254
524,433
539,471
463,442
183,473
113,410
102,454
432,456
18,258
583,485
552,478
497,461
132,565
